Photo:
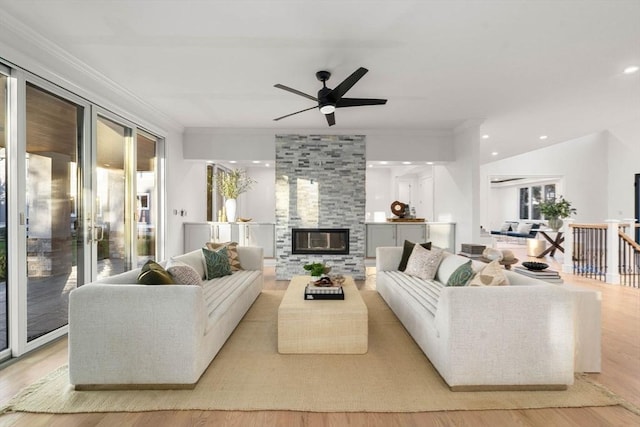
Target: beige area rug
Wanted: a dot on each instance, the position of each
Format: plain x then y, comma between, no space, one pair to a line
249,374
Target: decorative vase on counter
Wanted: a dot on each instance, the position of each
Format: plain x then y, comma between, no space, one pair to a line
555,223
230,207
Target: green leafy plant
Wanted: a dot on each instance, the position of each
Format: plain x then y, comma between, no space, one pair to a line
315,269
233,183
557,208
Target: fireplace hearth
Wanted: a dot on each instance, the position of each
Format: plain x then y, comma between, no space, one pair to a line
320,241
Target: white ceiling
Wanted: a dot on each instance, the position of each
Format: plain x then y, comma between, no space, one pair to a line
525,68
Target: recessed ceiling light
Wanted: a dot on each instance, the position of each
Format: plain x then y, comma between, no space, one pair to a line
370,165
267,164
255,162
406,163
543,137
233,161
429,163
632,69
495,153
485,136
384,162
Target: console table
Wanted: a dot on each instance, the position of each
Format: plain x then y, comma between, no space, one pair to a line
556,243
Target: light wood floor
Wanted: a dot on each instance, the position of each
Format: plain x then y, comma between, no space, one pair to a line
620,373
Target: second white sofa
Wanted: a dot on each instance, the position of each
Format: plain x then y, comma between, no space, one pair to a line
519,336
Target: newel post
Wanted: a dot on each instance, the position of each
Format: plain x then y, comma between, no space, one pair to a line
613,253
630,228
567,263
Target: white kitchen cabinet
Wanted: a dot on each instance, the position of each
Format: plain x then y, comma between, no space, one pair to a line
258,234
196,234
441,235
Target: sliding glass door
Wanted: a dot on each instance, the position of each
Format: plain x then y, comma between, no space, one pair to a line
53,134
4,301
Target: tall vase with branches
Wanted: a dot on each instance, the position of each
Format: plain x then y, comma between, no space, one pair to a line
230,185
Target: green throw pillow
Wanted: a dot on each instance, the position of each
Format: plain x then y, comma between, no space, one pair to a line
153,273
217,263
462,276
406,253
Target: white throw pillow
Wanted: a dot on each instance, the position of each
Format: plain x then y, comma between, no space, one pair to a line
183,273
424,263
491,275
524,228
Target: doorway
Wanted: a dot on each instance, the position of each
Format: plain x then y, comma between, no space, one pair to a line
636,187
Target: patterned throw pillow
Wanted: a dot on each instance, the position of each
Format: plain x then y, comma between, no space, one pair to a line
232,251
153,273
183,273
217,263
462,275
491,275
407,250
424,263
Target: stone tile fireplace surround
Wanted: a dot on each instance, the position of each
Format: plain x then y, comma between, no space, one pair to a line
320,183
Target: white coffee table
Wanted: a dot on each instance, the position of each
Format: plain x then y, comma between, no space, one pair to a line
322,326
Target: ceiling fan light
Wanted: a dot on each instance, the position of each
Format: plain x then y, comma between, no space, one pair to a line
327,109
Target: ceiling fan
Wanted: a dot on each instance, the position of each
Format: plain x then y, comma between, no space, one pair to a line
330,99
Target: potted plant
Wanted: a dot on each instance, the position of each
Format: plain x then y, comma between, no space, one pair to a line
317,269
230,185
554,210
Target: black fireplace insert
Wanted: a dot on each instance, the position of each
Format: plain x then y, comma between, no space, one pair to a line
320,241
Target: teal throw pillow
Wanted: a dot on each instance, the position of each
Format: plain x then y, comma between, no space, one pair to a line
462,276
217,263
153,273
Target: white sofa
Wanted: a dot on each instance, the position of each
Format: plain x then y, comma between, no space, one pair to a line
126,335
499,337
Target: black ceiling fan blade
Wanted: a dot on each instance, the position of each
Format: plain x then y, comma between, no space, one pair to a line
357,102
292,114
331,119
297,92
347,83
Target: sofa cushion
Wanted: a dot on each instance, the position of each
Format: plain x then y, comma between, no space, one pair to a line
232,251
196,260
524,228
183,273
407,250
217,263
491,275
448,265
153,273
462,276
424,263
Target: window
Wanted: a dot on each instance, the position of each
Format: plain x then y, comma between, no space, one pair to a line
530,198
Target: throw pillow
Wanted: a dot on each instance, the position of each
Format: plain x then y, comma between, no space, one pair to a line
524,228
505,227
462,276
217,263
407,250
183,273
491,275
232,251
153,273
423,263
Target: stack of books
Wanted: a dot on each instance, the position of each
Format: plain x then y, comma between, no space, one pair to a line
547,275
472,251
312,292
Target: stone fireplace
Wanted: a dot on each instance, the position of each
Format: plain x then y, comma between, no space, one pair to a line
320,188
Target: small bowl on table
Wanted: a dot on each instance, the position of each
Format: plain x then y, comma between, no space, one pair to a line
535,266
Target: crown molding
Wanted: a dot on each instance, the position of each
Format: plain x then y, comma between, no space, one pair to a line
26,48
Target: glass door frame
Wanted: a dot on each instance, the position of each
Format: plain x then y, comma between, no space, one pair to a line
9,126
130,162
17,239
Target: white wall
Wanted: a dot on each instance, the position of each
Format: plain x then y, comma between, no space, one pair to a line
582,162
623,164
379,188
259,144
259,203
456,186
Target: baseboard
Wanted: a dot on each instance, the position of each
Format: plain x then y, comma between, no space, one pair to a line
506,387
104,387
